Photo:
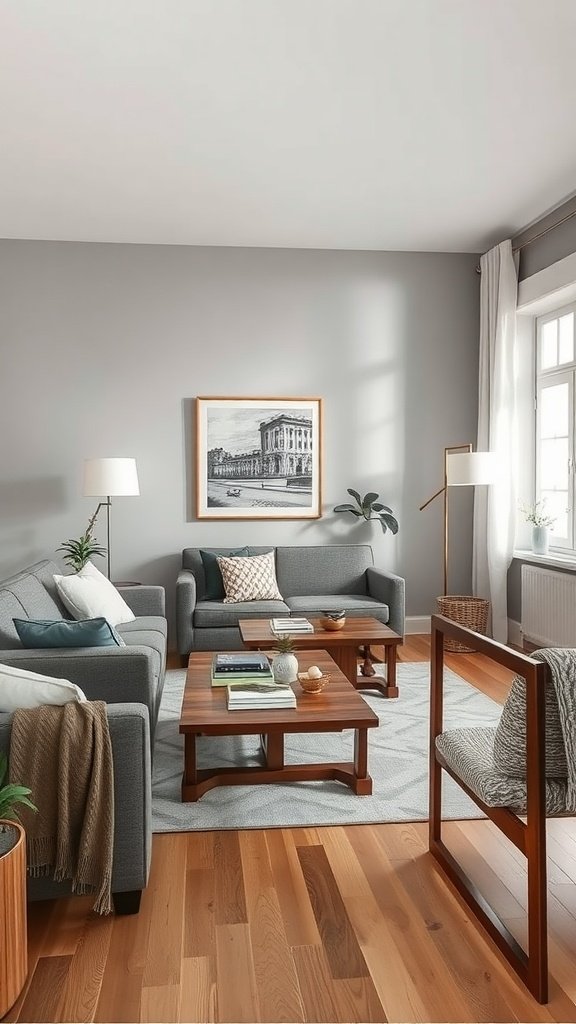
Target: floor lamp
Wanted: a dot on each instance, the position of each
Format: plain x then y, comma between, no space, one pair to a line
462,468
112,478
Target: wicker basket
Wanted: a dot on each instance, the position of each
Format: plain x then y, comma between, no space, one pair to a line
471,612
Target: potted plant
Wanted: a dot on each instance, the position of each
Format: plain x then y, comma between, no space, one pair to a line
78,552
368,508
285,662
13,943
541,521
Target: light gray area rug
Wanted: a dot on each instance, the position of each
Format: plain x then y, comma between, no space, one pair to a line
397,762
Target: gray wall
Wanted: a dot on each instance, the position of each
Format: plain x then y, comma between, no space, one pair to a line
105,346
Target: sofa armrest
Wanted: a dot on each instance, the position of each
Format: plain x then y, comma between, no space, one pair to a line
103,673
130,736
390,589
185,605
144,600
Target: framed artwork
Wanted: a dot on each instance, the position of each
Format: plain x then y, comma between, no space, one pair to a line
258,458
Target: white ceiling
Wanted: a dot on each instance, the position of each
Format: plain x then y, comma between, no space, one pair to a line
365,124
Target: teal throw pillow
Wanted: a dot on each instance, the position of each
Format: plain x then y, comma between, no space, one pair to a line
214,583
37,634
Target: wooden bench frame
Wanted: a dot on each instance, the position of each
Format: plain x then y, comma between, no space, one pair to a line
530,836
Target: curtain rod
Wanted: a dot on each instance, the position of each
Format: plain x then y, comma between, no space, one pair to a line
540,234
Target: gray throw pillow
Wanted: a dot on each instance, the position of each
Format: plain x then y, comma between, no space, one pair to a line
510,739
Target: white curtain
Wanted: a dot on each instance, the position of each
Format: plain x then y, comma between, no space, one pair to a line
495,506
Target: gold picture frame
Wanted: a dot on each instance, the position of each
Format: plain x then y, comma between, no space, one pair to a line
258,458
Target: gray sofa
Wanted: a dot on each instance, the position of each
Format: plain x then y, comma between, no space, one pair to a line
133,674
130,736
311,579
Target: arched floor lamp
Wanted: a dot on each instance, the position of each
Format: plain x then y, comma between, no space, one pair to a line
462,468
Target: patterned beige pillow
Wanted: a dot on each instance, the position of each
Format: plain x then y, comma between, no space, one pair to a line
249,579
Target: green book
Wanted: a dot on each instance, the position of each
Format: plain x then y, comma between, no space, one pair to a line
239,678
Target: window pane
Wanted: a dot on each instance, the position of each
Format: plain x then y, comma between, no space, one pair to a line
554,465
549,345
556,505
554,410
566,338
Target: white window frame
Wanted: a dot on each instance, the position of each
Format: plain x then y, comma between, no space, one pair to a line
558,374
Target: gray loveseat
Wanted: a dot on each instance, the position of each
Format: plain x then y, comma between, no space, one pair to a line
311,579
134,673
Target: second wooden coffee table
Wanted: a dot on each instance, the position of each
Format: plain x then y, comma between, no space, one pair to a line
342,645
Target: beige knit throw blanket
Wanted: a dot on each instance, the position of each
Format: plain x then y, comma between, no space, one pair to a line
64,755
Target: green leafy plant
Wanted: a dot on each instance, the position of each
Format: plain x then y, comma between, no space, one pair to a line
11,795
537,515
284,644
78,552
368,508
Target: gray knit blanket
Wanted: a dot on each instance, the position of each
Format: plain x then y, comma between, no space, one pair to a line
562,664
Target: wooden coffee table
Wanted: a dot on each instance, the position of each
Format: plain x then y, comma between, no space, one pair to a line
338,707
341,644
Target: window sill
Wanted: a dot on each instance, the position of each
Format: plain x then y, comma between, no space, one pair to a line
561,561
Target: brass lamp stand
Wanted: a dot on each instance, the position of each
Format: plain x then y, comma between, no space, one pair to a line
444,490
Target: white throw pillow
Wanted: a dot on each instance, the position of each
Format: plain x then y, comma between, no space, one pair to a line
20,688
249,579
88,595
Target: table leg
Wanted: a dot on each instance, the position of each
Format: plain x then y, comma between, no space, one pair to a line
367,668
273,744
190,776
390,652
363,780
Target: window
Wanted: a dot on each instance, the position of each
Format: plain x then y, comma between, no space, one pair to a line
555,421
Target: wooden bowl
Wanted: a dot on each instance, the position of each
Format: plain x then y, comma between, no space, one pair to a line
332,624
313,685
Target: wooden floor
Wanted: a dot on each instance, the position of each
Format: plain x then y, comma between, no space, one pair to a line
328,924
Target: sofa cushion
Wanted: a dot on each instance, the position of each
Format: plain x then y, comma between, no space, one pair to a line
89,593
147,638
353,605
216,614
249,579
38,634
154,623
323,569
20,688
34,598
213,576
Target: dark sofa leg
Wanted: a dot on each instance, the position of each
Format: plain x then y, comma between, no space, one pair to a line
127,902
184,660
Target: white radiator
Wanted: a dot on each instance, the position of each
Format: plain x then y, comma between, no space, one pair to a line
548,607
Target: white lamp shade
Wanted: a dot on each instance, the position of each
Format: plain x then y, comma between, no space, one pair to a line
469,469
109,477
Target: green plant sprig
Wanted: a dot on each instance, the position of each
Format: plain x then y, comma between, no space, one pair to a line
78,552
284,644
11,794
368,508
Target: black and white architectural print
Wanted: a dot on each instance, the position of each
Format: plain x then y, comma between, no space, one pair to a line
258,458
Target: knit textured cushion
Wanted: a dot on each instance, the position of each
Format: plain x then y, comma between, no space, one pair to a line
250,579
510,737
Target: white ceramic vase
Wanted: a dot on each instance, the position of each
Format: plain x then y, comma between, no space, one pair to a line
285,668
540,539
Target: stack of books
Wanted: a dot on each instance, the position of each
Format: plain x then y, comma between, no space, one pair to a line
280,626
233,669
254,696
